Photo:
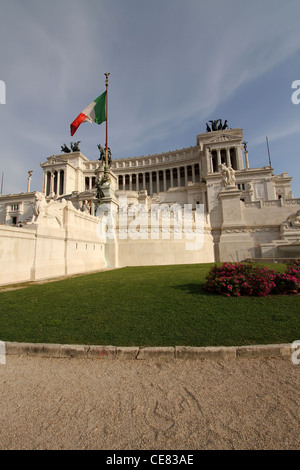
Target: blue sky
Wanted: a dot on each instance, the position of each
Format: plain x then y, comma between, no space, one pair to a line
174,65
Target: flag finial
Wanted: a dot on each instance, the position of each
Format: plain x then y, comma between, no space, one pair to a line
106,80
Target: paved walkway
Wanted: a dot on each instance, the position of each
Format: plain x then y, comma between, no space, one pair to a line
62,403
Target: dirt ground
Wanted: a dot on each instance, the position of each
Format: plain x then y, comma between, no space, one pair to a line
149,405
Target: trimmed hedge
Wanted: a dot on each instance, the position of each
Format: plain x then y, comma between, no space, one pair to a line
240,279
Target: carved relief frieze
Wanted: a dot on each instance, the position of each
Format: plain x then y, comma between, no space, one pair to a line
250,230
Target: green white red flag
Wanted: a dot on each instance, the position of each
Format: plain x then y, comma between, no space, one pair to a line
94,112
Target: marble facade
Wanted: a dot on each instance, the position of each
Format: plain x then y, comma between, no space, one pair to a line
244,210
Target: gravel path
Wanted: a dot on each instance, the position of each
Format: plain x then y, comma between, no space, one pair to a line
51,403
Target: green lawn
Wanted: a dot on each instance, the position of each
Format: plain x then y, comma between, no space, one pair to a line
145,306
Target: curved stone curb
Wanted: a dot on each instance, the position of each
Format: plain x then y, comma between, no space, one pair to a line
147,353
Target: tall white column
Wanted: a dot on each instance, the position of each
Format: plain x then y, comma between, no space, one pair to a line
185,176
130,182
228,160
44,181
157,182
151,183
218,158
193,173
124,182
58,182
209,162
178,177
246,160
52,184
171,176
64,181
165,180
137,182
144,180
239,157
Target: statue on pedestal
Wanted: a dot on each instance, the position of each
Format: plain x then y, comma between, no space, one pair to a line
99,192
231,177
293,220
39,207
44,212
75,146
65,149
102,155
85,207
290,229
228,175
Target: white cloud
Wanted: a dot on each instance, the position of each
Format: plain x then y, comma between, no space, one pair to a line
277,132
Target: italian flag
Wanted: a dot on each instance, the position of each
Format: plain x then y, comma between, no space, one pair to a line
94,112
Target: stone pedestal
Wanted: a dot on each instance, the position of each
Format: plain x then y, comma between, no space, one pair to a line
230,201
108,195
107,211
235,242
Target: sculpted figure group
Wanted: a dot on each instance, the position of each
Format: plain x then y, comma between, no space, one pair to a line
102,154
293,220
216,125
74,147
52,210
228,175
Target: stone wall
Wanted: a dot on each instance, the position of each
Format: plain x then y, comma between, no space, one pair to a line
17,252
244,227
163,252
63,240
36,252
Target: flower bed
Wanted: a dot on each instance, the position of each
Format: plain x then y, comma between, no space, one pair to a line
239,279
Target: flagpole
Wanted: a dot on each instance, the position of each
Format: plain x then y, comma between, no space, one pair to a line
106,112
269,152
